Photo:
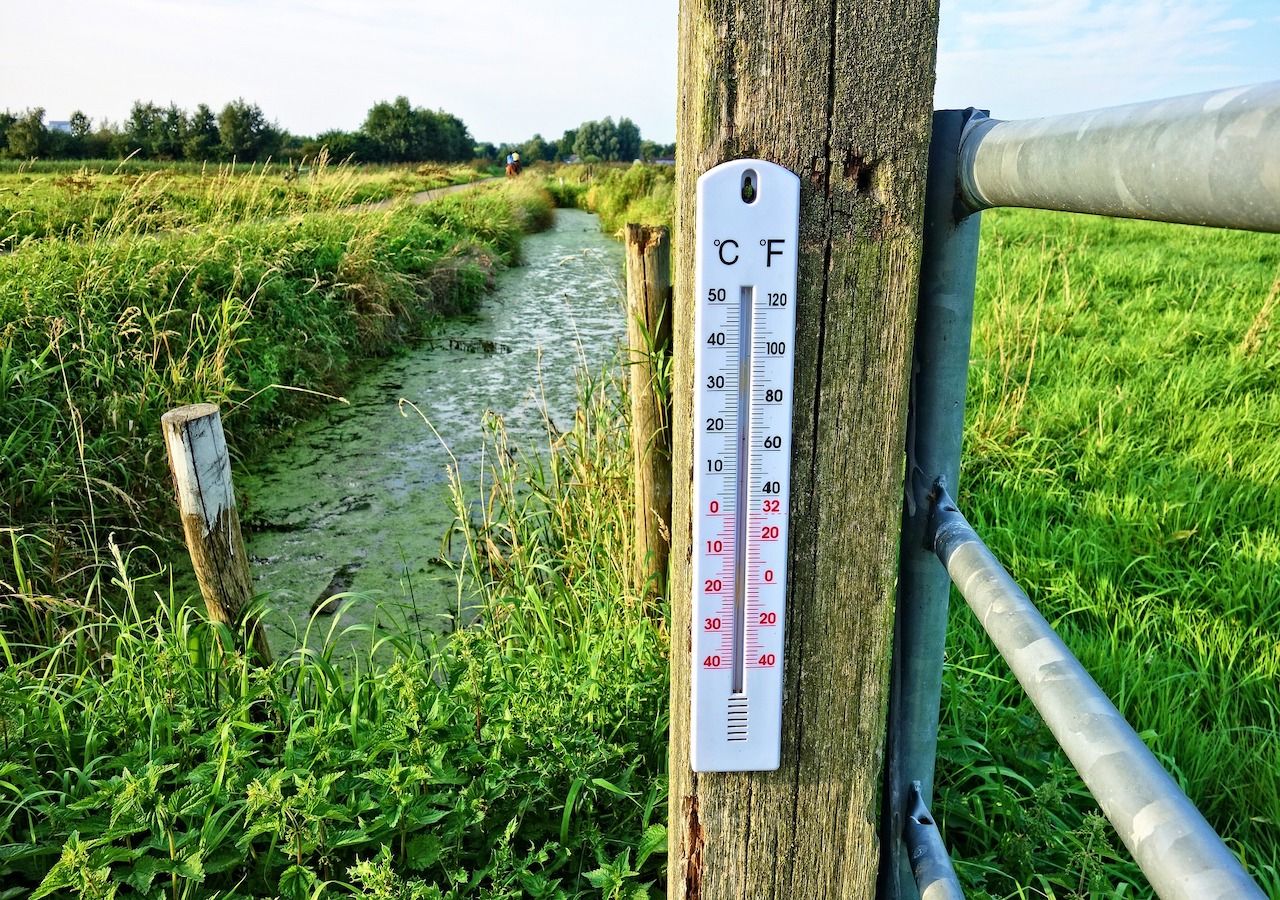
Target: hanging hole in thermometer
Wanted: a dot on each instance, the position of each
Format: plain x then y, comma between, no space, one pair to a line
747,224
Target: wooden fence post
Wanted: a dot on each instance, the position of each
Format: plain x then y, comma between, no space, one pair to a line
649,339
202,477
841,94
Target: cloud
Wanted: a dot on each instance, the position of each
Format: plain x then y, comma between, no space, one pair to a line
1027,57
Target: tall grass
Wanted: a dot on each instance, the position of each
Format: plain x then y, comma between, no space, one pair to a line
84,202
101,336
520,758
1121,459
639,194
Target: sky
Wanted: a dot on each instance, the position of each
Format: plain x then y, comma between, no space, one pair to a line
313,65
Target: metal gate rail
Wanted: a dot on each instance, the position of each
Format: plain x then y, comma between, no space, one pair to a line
1205,159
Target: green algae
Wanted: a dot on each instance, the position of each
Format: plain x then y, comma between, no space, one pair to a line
358,500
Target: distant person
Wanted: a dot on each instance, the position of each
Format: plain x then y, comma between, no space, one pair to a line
513,165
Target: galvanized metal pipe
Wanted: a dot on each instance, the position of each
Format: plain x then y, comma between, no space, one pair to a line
1182,857
935,877
1202,159
935,424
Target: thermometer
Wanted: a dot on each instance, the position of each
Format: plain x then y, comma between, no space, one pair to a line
745,283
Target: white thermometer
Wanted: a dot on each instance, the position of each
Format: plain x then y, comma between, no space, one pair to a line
745,287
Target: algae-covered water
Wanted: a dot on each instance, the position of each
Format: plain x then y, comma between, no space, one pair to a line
358,498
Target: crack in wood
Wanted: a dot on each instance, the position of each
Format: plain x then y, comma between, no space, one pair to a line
693,848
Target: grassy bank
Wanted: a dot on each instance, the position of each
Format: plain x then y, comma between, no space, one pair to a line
100,200
101,336
619,195
522,758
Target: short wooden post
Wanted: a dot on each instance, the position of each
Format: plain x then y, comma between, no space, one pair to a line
649,338
841,94
202,477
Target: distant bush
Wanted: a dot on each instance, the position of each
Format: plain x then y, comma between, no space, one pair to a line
640,194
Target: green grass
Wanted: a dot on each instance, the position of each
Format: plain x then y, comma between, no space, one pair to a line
100,200
1121,458
102,336
521,758
639,194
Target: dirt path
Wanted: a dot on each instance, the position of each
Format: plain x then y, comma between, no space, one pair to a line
427,196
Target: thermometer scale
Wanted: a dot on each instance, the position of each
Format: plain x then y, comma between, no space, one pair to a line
747,234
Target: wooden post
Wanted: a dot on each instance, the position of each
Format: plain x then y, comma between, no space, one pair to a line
649,340
840,93
202,477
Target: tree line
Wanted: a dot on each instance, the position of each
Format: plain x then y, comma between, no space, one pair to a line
593,141
392,131
240,131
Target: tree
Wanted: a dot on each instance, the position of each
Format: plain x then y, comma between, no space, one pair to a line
391,130
587,145
535,149
244,133
272,142
598,141
27,136
454,141
400,132
341,145
76,142
628,140
110,140
142,129
6,121
103,143
170,133
80,125
564,146
200,135
649,151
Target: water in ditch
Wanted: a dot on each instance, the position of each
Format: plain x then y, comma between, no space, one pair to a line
358,499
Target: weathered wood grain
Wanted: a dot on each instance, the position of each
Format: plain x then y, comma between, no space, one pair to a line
648,250
201,472
840,93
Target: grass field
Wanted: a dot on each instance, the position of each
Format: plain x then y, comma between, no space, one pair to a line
103,199
1120,457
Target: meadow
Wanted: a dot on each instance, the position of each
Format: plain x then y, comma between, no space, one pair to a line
1120,458
87,200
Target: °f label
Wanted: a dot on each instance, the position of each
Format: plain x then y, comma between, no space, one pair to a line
745,258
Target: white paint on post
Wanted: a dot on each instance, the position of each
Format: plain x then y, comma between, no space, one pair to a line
201,467
202,476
